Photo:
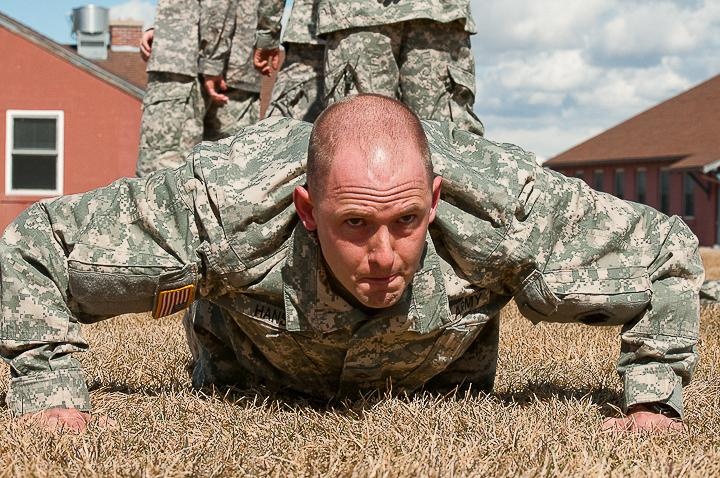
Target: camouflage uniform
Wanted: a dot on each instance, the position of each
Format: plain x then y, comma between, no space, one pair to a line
243,80
415,51
710,292
298,87
223,225
173,106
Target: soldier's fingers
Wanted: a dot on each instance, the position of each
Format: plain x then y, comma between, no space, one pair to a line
615,425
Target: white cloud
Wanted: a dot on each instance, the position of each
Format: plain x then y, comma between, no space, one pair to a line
551,74
649,29
539,138
142,10
533,25
630,90
558,70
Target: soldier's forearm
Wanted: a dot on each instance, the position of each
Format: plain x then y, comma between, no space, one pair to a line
658,354
86,257
38,332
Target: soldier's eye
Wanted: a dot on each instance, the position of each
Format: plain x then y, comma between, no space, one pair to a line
354,222
407,219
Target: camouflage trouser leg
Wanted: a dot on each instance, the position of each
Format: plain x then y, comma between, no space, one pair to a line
173,109
475,369
363,60
298,89
437,73
221,121
425,64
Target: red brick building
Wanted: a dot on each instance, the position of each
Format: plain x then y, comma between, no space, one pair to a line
667,157
68,124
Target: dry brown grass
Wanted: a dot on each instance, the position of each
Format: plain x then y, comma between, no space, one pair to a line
711,261
555,385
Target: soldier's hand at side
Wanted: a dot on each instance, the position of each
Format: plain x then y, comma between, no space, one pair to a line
266,61
641,418
213,86
146,44
61,419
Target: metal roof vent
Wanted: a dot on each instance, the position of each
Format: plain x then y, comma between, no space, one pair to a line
90,25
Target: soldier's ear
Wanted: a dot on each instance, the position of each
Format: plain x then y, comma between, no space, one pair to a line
436,187
304,207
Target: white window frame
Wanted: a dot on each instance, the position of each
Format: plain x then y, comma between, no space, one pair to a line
59,117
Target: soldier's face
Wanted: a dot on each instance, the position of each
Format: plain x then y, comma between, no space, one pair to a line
371,220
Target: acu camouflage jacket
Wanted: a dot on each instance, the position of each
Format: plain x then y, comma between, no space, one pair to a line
191,36
335,15
300,27
310,19
224,224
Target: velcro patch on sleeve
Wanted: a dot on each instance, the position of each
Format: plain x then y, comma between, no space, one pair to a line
170,301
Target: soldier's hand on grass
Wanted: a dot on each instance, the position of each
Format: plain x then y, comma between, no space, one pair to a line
59,419
146,44
642,418
213,86
266,61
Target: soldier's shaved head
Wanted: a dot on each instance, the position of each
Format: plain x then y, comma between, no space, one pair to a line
367,122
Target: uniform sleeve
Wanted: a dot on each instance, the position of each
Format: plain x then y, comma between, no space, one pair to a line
600,260
83,258
217,27
269,24
214,225
568,253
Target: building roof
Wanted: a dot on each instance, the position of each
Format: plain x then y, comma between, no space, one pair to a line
69,55
683,129
126,64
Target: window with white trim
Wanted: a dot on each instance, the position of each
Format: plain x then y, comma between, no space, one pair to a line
34,153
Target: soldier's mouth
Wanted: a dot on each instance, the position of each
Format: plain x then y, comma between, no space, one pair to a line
382,280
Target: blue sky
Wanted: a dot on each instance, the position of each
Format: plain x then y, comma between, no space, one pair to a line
51,17
549,74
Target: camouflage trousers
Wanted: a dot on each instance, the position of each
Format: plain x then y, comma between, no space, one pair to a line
425,64
224,355
298,88
172,117
221,121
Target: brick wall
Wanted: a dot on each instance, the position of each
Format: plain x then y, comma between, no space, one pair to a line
125,35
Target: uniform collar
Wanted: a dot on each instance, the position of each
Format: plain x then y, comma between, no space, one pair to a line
311,304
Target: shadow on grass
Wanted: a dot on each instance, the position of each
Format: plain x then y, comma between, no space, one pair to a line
607,399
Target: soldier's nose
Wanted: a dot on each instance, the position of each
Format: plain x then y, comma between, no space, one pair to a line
381,253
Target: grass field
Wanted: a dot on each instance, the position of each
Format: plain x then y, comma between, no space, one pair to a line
555,385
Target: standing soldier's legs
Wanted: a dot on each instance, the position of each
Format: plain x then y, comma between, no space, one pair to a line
242,109
171,124
437,73
362,60
298,88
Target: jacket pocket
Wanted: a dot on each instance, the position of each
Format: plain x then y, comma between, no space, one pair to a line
461,84
167,107
102,285
593,296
